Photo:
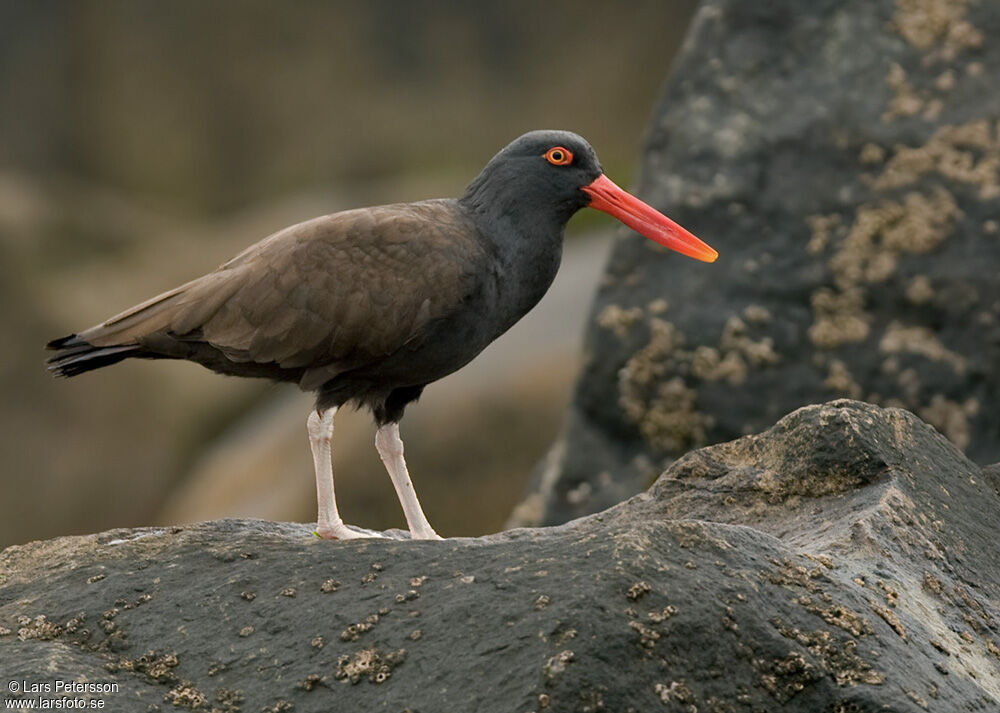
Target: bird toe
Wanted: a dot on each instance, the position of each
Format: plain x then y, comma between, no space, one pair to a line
425,535
341,531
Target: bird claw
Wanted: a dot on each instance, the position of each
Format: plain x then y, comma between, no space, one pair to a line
428,535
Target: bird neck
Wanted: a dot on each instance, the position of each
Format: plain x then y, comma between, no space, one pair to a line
527,250
524,237
520,219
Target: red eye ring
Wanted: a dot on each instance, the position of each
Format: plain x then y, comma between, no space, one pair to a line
559,156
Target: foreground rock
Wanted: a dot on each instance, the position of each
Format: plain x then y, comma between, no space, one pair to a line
844,560
844,158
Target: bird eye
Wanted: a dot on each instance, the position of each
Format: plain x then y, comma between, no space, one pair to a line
558,156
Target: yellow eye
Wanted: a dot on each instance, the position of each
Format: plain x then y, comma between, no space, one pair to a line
558,156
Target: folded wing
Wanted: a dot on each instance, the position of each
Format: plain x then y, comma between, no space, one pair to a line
328,294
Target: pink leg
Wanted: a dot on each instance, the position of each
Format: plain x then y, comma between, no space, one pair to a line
329,525
390,449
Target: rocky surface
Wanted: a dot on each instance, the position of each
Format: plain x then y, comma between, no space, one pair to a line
844,158
844,560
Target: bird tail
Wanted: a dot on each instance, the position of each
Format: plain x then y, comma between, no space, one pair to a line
146,330
111,341
74,355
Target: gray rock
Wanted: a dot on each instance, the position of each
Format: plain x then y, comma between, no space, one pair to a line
842,561
844,158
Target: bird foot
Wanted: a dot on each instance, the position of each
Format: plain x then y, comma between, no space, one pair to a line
340,531
428,534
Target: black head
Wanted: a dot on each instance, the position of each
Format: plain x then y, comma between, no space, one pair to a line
538,175
538,181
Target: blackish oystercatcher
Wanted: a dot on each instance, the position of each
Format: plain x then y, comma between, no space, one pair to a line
368,306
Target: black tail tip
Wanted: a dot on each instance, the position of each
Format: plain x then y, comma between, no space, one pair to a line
68,342
74,355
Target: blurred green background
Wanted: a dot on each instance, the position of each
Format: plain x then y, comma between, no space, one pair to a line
143,143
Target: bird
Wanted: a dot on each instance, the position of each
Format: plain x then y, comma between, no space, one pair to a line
366,307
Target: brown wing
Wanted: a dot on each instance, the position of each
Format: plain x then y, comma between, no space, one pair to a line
326,295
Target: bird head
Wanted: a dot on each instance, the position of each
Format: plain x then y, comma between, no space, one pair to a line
556,173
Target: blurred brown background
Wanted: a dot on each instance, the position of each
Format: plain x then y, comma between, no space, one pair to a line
142,143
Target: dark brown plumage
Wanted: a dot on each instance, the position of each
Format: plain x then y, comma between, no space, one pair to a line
370,305
277,310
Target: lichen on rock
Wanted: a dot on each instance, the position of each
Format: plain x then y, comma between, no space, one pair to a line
856,207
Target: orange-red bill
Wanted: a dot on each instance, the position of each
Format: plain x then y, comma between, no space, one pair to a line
645,220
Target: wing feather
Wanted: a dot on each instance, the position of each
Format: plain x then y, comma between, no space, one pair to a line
327,295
